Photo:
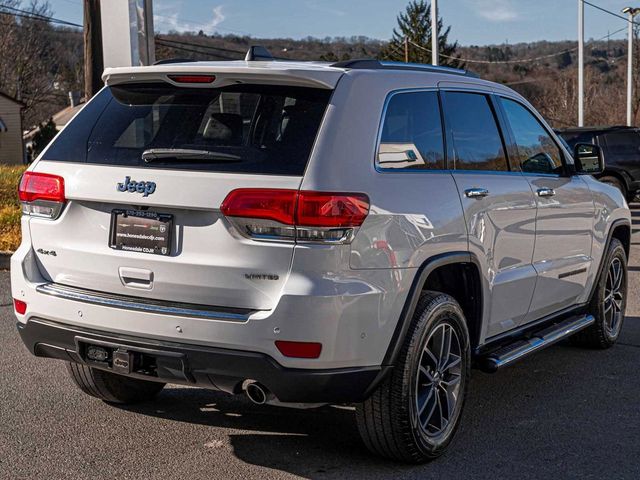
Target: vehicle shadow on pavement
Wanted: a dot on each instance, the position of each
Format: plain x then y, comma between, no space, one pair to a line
310,443
548,415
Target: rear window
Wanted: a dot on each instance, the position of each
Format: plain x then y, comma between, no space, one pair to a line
572,138
257,129
477,143
623,145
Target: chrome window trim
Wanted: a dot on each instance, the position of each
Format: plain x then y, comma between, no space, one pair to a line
161,307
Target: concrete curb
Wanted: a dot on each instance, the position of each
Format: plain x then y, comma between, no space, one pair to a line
5,258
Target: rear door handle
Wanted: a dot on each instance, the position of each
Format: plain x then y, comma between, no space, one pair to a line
476,192
546,192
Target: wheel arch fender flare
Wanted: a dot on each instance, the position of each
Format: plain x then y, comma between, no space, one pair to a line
408,310
621,222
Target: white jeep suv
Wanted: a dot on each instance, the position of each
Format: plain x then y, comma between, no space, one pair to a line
310,233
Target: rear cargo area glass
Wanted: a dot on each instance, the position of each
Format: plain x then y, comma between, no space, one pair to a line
256,129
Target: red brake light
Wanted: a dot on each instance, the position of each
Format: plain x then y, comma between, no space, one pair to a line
299,349
317,209
304,208
292,215
20,306
41,186
261,203
193,78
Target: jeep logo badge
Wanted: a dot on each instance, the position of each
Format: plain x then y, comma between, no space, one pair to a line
131,186
120,363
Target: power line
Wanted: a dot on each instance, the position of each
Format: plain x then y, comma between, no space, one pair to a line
191,44
185,49
35,16
524,60
597,7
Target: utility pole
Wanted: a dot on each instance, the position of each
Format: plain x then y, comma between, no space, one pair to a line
581,63
632,12
406,49
93,63
434,33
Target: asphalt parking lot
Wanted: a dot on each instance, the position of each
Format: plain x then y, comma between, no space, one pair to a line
564,413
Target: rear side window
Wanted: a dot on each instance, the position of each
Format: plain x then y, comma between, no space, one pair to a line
411,137
257,129
477,144
537,151
622,146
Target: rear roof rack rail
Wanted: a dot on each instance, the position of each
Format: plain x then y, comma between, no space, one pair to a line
372,64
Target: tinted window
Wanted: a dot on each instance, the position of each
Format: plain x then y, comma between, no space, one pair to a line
623,146
537,151
252,128
477,144
412,133
577,137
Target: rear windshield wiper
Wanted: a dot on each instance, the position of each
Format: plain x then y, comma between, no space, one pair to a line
187,154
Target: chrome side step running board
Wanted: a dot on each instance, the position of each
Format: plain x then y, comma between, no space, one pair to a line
161,307
513,352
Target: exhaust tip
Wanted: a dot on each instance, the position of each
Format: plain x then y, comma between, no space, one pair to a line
256,393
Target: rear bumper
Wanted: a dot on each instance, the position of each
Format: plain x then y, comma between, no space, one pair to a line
206,367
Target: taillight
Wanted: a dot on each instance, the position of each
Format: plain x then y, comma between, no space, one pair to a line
277,214
193,78
20,306
317,209
278,205
41,194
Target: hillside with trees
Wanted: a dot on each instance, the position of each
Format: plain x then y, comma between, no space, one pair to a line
40,63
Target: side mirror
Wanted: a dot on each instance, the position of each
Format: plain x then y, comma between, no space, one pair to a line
588,159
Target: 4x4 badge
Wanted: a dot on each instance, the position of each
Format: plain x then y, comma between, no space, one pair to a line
131,186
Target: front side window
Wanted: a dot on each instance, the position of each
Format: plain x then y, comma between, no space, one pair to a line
477,144
411,137
537,151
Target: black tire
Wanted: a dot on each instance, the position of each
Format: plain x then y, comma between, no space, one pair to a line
110,387
615,182
608,309
391,422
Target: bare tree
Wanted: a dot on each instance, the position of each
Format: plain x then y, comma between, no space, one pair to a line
26,56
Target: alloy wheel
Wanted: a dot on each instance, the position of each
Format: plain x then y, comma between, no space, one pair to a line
438,380
614,297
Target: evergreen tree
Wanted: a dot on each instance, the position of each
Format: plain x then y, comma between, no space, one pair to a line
415,25
43,136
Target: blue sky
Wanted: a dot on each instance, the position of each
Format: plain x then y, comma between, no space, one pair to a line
473,22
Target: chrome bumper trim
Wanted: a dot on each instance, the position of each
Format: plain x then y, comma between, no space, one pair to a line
161,307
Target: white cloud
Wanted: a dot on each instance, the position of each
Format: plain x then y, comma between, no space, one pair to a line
313,5
495,10
169,17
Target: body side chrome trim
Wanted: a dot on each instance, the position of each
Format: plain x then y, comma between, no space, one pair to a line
161,307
